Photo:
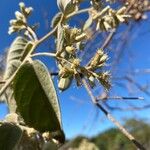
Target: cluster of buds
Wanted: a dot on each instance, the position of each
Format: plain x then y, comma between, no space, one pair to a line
139,7
98,60
20,23
67,72
68,63
96,66
69,41
109,18
106,19
102,77
73,35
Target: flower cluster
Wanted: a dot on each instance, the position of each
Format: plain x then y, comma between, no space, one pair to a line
20,23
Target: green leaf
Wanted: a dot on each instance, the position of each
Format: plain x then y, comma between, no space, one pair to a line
36,97
18,48
17,52
10,136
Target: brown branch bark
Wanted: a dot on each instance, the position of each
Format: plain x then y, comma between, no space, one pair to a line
111,118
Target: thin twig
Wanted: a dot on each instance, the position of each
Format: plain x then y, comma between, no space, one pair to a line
101,12
111,118
51,32
47,35
51,55
108,39
32,33
2,82
78,12
54,73
44,54
120,98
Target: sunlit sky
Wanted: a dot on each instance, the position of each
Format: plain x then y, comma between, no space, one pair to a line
79,116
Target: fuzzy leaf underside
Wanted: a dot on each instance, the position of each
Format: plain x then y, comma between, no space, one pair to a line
15,55
36,97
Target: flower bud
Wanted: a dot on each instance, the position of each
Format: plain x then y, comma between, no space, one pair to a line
70,49
19,15
28,10
12,22
81,37
64,83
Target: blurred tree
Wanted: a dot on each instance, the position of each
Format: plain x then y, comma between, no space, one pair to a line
112,139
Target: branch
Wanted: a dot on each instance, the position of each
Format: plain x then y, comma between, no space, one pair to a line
108,39
111,118
44,54
120,98
48,34
78,12
2,82
32,33
54,73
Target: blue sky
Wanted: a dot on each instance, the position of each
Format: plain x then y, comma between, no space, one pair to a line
78,114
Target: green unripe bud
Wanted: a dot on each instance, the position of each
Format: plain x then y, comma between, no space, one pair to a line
22,5
64,83
70,49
